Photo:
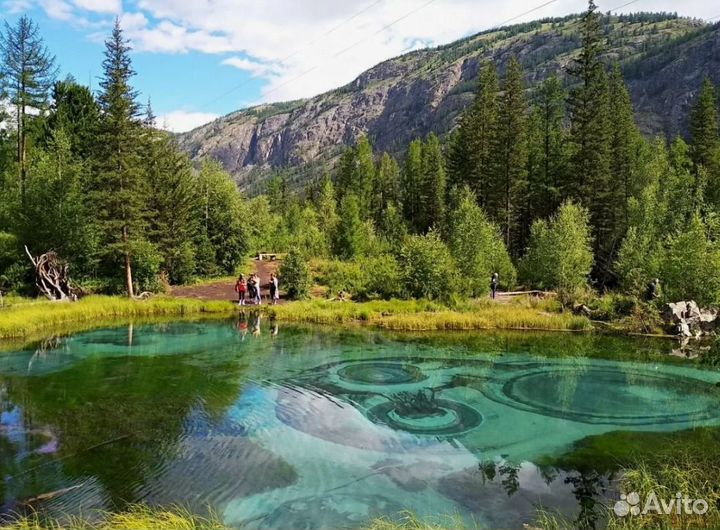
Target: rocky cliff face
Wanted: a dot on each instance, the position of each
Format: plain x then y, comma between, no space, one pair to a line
664,59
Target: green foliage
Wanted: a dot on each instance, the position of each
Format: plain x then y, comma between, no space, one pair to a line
295,275
689,267
477,247
560,253
365,278
427,267
349,241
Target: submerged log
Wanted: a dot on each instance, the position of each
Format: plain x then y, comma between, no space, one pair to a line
51,276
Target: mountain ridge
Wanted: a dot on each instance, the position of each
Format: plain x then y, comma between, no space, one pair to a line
664,57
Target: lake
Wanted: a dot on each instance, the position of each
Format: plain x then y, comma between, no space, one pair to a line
314,427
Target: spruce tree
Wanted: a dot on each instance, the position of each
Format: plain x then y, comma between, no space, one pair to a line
433,185
510,158
74,110
386,188
590,137
412,178
27,71
705,150
119,191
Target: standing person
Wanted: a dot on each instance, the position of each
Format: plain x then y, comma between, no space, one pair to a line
653,290
274,289
258,287
494,284
241,289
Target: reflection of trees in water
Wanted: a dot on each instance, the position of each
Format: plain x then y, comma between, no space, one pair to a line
588,487
118,418
507,472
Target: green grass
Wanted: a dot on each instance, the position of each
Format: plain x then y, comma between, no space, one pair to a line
27,318
418,315
409,521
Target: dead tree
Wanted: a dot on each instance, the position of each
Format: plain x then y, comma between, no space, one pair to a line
51,276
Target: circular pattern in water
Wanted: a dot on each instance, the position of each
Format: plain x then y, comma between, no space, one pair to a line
611,396
450,418
381,373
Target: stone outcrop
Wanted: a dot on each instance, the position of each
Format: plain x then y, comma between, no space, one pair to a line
424,91
687,319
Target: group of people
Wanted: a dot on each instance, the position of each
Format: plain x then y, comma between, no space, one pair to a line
250,289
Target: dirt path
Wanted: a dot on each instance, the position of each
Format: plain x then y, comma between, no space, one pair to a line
224,289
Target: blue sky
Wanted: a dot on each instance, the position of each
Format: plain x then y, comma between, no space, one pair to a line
199,59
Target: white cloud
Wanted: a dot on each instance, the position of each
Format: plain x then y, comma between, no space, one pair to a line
100,6
303,47
182,121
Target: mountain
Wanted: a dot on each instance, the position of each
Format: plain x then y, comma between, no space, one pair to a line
664,58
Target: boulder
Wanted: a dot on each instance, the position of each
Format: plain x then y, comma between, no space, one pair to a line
674,312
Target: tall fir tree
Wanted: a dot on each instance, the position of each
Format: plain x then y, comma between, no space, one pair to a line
705,147
547,166
510,159
119,191
471,151
28,72
590,139
433,186
386,188
412,178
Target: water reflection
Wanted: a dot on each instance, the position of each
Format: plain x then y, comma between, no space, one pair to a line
323,428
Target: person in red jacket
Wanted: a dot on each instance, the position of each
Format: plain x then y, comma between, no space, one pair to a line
241,289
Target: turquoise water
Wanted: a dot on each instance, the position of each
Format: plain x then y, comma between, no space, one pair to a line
292,427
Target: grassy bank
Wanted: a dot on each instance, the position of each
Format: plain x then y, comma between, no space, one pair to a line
413,315
27,318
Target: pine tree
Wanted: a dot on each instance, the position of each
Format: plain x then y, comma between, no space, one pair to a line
510,158
364,179
74,110
348,240
386,189
119,187
28,72
547,138
412,177
173,202
590,138
433,186
625,146
705,136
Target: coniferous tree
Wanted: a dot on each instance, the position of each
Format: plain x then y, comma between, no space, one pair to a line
472,146
348,240
364,178
173,203
510,158
591,183
28,72
119,191
547,165
432,186
74,110
326,206
412,178
705,150
386,190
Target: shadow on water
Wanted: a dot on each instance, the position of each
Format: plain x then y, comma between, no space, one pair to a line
309,427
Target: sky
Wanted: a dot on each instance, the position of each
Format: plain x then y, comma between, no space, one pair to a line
200,59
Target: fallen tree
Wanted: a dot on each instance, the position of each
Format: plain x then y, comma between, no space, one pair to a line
51,276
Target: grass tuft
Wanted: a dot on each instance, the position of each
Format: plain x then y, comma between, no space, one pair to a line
409,521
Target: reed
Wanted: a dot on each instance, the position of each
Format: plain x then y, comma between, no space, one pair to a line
25,319
414,315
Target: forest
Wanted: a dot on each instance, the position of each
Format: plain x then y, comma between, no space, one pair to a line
552,186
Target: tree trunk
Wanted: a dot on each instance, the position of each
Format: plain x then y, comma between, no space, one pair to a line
128,266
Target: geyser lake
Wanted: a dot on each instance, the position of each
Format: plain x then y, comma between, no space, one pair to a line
316,427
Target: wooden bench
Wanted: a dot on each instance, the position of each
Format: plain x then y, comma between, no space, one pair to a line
266,256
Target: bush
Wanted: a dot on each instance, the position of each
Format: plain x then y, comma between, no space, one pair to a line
427,268
146,262
559,254
295,275
365,278
477,247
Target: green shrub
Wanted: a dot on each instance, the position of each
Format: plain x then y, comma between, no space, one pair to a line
365,278
295,275
559,254
477,247
427,268
146,262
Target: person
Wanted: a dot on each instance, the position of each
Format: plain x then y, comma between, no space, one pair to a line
494,284
241,289
653,291
258,287
274,289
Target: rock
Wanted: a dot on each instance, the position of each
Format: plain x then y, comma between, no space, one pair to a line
673,313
